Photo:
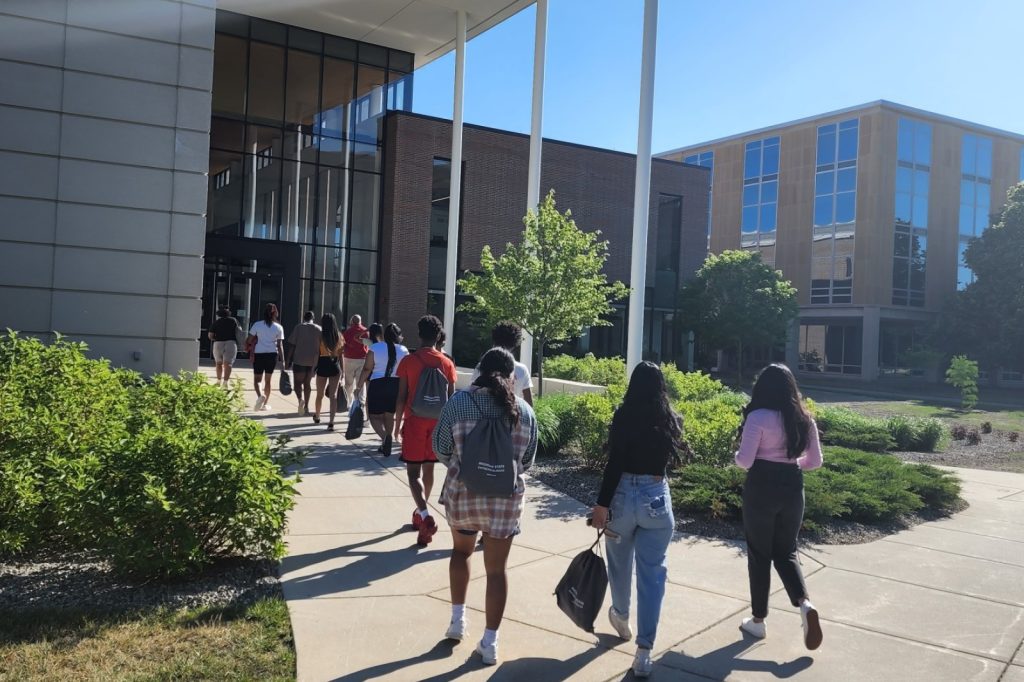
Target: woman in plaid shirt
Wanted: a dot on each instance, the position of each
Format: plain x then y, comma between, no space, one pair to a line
493,395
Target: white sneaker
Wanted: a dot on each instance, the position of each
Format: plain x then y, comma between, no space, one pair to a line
811,624
456,630
620,624
642,664
488,652
259,404
265,406
759,630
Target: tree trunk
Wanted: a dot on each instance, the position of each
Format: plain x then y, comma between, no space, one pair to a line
540,366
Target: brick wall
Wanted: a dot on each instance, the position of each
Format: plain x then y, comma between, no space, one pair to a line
597,185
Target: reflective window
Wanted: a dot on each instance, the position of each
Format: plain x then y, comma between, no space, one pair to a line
832,348
440,193
707,160
835,209
910,245
975,197
759,215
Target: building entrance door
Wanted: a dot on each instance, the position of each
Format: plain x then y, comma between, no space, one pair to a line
245,287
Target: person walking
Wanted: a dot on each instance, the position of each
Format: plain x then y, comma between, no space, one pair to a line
223,334
267,335
509,336
417,431
303,354
779,441
382,384
492,396
328,368
634,506
355,355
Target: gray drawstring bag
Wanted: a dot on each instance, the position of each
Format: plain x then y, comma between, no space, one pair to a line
488,463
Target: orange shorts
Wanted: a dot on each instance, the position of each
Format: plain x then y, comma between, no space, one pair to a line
417,440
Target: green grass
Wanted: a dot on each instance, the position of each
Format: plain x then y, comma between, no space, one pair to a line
251,642
1002,420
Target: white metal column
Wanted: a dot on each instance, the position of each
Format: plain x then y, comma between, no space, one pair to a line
642,193
455,195
536,136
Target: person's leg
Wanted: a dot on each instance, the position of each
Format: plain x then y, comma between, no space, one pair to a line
227,370
377,424
389,424
620,550
428,479
656,525
321,384
495,559
412,471
268,380
308,387
220,372
463,545
257,381
759,528
784,542
298,376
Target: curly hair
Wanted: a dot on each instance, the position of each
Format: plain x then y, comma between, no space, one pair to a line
508,335
496,367
429,329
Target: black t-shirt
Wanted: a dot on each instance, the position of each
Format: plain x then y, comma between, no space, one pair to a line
225,329
634,449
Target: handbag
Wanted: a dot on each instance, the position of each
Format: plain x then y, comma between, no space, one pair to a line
580,592
285,383
355,421
342,398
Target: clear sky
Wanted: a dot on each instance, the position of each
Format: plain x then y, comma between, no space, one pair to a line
728,66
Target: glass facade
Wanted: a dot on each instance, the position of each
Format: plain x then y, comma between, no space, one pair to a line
760,196
707,160
832,348
440,193
835,208
296,151
913,179
975,198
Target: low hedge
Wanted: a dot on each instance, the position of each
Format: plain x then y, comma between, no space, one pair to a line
842,427
852,485
161,476
587,369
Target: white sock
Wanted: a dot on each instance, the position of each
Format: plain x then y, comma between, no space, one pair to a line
424,514
490,637
458,612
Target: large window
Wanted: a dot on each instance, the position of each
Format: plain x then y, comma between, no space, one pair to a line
295,150
835,202
975,198
440,194
707,160
760,195
832,348
910,233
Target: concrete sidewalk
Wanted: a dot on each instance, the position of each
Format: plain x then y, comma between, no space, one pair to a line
943,601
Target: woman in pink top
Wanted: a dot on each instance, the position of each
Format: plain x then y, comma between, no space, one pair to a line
779,442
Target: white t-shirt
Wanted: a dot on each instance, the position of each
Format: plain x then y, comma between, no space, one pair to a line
267,336
380,359
521,378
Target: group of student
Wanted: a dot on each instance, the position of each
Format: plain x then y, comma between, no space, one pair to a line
412,398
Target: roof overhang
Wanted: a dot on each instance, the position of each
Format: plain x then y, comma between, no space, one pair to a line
425,28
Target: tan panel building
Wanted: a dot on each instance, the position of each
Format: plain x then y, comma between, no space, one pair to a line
867,211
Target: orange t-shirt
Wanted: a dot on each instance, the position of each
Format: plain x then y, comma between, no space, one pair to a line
411,366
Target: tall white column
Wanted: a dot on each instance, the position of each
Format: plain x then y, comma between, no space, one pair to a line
642,193
455,194
540,39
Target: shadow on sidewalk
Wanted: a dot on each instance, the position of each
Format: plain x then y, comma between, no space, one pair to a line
369,568
720,663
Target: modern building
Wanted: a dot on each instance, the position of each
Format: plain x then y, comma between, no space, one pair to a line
867,211
159,158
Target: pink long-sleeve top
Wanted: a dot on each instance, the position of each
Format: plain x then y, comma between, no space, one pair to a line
764,437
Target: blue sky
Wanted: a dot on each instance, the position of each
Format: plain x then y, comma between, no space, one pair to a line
727,66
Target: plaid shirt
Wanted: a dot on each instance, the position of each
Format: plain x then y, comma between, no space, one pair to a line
496,516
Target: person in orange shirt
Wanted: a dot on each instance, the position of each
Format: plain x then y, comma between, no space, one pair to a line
417,429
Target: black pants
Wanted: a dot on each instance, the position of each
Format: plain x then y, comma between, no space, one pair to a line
773,509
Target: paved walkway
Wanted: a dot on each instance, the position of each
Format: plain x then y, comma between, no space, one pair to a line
943,601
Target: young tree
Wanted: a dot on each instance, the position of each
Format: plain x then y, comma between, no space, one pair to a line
551,282
735,301
986,319
963,374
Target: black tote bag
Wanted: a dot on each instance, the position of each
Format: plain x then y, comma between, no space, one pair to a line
580,592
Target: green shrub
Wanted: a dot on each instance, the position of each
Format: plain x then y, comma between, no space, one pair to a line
963,374
709,428
588,369
845,428
707,489
553,422
918,434
160,477
690,386
588,423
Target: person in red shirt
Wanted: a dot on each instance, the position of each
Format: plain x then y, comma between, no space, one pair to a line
354,356
418,432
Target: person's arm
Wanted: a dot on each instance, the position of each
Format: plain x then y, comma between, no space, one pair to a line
749,443
453,376
280,350
403,395
528,396
367,371
609,482
811,459
210,335
531,448
443,439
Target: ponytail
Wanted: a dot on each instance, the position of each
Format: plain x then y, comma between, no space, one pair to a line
496,368
391,336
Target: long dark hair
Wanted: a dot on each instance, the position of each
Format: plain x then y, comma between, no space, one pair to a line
496,367
775,389
375,332
646,407
392,336
329,332
269,313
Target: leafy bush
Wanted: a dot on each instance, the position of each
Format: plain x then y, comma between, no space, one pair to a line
160,477
958,432
843,427
690,385
918,434
588,423
588,369
709,428
973,437
963,374
986,427
553,422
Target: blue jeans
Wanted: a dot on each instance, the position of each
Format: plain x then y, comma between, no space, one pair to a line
641,515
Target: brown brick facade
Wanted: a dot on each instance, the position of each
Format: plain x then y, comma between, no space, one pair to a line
595,184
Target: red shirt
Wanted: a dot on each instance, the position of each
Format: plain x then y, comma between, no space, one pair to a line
411,366
355,349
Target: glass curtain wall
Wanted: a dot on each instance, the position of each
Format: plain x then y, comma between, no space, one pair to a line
760,197
975,198
913,178
296,150
707,160
835,202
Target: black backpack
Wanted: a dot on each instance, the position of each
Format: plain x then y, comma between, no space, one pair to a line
580,592
488,462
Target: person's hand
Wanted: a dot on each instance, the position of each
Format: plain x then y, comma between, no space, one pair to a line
599,517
